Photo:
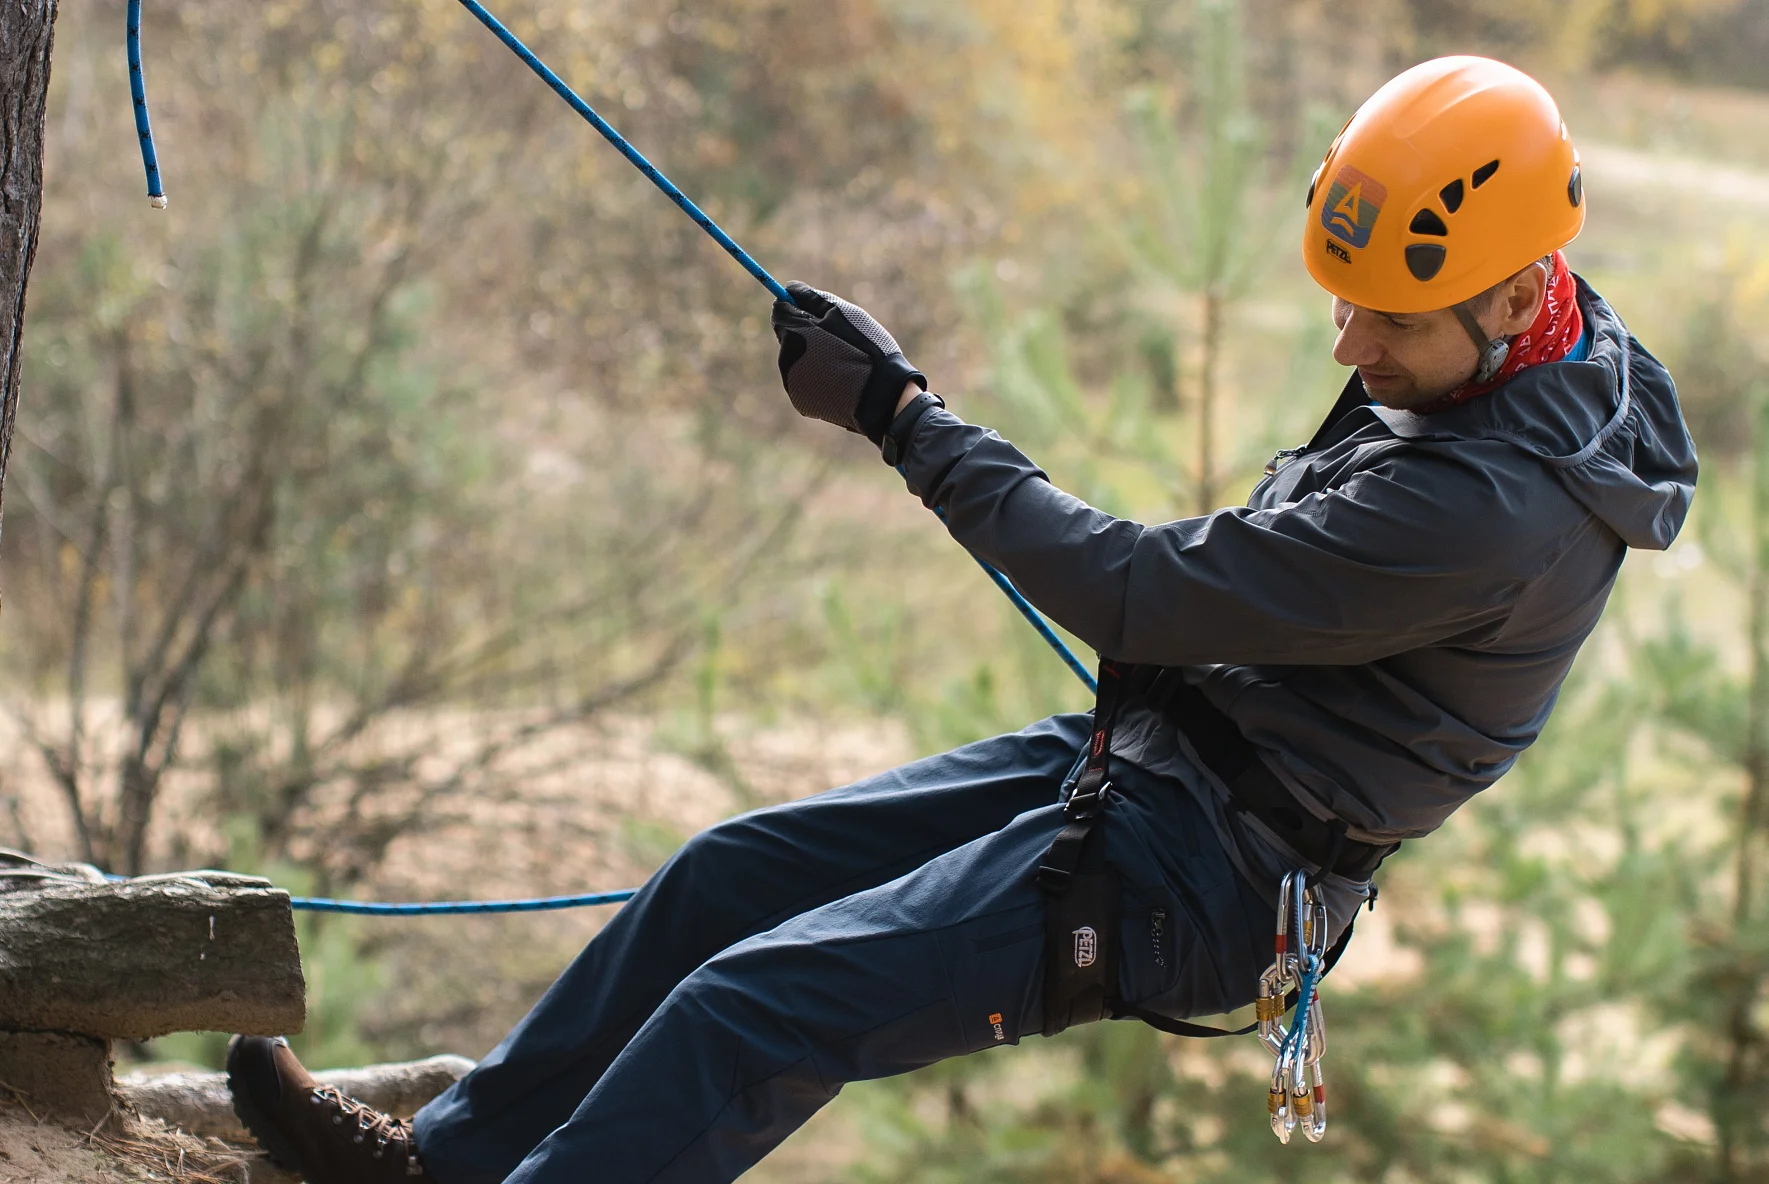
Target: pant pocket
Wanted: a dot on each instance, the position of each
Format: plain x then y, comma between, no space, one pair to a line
996,972
1168,967
1153,947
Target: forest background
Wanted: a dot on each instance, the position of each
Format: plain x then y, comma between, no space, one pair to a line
412,511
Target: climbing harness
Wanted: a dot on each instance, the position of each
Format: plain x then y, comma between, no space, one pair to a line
1298,1094
150,161
1083,907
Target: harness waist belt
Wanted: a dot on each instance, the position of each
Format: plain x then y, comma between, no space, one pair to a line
1254,788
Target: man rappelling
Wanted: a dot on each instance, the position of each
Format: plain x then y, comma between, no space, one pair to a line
1288,691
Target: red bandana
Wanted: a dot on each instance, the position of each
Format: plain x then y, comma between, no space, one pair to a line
1556,330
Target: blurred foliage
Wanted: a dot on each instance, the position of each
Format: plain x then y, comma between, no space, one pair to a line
1708,40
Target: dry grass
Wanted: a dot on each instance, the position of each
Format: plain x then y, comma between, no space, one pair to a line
122,1149
161,1152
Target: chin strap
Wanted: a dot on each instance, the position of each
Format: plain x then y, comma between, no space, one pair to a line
1493,350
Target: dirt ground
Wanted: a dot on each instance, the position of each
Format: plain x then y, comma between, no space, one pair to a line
121,1150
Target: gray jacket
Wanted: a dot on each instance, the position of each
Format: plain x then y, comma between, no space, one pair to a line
1390,616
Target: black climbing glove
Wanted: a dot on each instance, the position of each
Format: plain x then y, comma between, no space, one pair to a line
838,364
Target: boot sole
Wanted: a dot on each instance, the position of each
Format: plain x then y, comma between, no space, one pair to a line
277,1149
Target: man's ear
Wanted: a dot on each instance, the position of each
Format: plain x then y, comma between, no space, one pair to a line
1521,299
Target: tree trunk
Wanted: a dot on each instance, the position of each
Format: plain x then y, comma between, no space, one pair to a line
1214,307
27,34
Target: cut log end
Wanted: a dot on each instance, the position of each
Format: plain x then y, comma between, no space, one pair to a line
135,959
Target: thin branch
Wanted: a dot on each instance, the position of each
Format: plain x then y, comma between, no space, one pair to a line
66,777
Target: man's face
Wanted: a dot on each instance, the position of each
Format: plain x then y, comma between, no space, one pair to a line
1405,359
1411,360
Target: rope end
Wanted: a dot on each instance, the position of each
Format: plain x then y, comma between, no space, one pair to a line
157,201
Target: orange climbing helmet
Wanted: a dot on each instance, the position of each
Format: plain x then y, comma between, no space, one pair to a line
1452,177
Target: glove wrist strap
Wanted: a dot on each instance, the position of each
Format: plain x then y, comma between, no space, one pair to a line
895,445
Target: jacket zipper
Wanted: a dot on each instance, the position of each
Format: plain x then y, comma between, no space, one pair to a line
1157,931
1282,455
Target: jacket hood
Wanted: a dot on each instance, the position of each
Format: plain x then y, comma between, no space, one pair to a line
1609,428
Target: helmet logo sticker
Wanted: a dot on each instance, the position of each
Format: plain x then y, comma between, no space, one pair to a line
1350,210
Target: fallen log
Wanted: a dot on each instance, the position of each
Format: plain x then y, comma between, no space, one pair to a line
197,951
199,1102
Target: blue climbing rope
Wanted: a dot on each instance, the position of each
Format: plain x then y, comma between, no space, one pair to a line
384,908
571,97
533,904
1032,615
1311,980
150,159
750,265
1044,630
627,150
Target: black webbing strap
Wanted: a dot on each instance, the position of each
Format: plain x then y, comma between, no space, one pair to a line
1255,790
1081,954
1083,808
1204,1031
1081,894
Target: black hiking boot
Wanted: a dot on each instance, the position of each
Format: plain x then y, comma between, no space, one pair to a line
314,1129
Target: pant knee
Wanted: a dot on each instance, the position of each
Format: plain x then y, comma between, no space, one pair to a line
712,860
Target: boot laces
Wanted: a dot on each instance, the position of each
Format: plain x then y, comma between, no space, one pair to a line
386,1130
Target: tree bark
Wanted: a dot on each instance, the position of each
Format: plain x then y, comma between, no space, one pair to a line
27,35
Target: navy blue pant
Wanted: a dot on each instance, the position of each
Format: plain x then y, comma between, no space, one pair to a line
860,933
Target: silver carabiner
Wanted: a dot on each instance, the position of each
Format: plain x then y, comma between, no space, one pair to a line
1283,1119
1269,1008
1301,914
1315,1127
1281,944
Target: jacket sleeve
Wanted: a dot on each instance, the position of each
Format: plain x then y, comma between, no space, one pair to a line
1416,549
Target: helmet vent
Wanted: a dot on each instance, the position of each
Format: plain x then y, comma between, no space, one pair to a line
1452,195
1308,202
1425,260
1575,188
1485,172
1427,222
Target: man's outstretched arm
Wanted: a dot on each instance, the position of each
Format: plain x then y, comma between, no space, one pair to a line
1403,555
1408,552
